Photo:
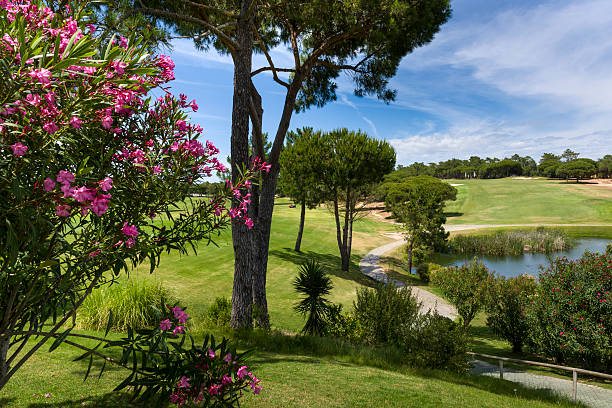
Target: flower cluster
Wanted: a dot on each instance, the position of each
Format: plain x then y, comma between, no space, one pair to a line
179,318
88,198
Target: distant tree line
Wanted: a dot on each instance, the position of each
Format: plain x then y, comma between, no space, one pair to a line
567,165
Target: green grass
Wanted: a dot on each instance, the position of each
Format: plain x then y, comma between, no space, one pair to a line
198,280
514,201
291,378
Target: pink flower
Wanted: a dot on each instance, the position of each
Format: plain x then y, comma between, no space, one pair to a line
33,99
47,395
256,390
106,184
182,318
42,75
100,204
156,169
51,127
181,125
228,358
184,382
165,324
249,223
211,353
226,380
49,184
129,230
62,210
19,149
242,372
194,105
65,177
214,389
119,67
123,42
75,122
82,194
107,122
178,330
67,190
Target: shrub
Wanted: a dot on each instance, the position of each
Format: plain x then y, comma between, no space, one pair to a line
505,306
465,287
313,283
425,270
134,303
343,325
382,312
609,249
435,342
219,313
512,242
570,317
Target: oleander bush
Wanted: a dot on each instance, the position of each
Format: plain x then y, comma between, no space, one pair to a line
570,316
506,301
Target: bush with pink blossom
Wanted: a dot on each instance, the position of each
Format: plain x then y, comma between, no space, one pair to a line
94,174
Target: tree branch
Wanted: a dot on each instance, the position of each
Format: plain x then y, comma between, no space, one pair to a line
269,58
215,9
355,67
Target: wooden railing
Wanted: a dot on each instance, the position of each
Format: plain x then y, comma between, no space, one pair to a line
574,370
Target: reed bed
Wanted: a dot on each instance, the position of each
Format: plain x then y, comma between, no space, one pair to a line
541,240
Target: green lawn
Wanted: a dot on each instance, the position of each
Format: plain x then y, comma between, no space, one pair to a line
515,201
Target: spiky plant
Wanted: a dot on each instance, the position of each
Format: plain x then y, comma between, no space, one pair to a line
314,284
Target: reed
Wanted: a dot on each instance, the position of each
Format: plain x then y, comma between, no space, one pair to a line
540,240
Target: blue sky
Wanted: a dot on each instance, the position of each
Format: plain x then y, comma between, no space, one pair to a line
501,77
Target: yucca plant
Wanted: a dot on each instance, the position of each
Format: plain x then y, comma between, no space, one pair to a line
314,284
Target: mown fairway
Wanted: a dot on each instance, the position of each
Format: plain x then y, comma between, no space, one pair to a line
197,280
516,201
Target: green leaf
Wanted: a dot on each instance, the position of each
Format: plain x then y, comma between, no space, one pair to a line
59,340
109,324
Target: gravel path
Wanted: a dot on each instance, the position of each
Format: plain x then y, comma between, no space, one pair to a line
590,395
369,266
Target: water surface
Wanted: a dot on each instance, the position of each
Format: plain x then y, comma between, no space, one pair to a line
510,266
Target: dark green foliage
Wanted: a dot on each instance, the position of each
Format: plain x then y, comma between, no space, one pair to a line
505,306
219,312
383,312
313,284
578,169
540,240
435,342
423,271
609,249
343,325
465,287
570,317
504,168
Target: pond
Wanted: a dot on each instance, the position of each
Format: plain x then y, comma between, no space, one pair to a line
510,266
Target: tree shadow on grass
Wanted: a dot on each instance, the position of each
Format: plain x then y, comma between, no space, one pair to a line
108,400
331,263
453,214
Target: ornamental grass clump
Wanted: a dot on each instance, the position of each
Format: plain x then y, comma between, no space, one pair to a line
570,316
134,303
540,240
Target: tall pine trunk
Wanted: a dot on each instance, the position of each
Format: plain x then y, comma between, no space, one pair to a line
298,241
241,240
410,245
4,366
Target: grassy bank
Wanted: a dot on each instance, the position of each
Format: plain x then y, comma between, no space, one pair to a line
514,201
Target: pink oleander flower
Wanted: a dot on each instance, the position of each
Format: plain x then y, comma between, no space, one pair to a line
62,210
94,253
47,395
100,204
165,324
65,177
33,99
49,184
249,223
214,389
51,127
211,353
107,122
184,382
178,330
123,42
19,149
119,67
256,389
42,75
129,230
226,380
181,125
67,190
75,122
228,358
106,184
242,372
83,194
156,170
194,105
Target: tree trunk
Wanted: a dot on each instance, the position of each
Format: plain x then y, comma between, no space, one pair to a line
241,240
345,231
338,230
4,367
298,241
263,224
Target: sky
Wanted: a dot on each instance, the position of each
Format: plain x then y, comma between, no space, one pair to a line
501,77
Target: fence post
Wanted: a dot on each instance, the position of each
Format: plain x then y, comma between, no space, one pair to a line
574,384
501,369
